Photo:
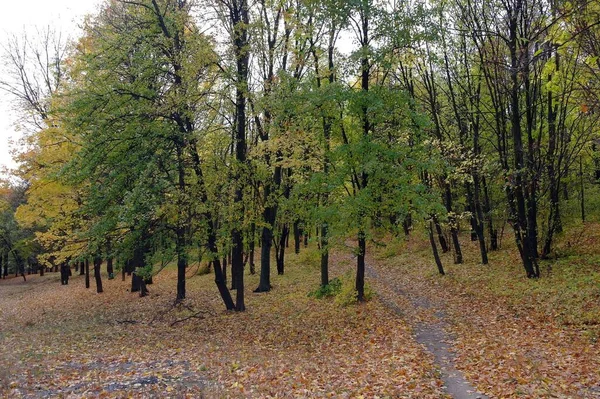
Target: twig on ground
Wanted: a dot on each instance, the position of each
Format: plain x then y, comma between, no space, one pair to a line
198,315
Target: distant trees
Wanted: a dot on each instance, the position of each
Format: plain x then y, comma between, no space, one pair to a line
15,243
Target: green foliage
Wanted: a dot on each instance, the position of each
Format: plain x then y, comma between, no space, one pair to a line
309,257
343,291
203,269
330,290
145,272
348,294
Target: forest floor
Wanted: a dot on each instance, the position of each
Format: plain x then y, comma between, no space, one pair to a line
512,337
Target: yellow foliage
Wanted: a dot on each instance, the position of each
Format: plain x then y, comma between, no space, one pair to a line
51,204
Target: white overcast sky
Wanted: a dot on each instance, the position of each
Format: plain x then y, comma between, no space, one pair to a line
26,15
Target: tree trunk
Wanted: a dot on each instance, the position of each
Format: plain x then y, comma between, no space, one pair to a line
97,276
477,217
109,261
520,219
440,235
87,273
458,258
269,216
251,261
582,192
324,255
554,220
297,234
143,288
360,267
237,271
488,216
181,263
136,281
473,222
436,256
64,274
109,268
407,224
252,244
240,21
281,250
5,263
220,280
517,187
265,260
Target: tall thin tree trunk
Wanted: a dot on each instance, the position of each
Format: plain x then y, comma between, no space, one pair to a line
297,234
220,280
477,217
97,276
181,263
281,255
520,219
87,273
109,268
407,224
434,249
488,216
240,21
269,216
5,262
252,245
360,267
440,235
581,190
109,261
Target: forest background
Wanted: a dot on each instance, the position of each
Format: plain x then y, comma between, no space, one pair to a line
220,132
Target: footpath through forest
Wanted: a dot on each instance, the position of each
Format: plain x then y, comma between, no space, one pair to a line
483,341
430,330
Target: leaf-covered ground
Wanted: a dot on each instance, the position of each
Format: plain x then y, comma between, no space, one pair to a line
66,341
515,338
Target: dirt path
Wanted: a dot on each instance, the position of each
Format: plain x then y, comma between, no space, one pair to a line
430,328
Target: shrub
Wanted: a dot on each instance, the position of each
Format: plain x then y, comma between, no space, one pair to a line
343,290
348,294
332,289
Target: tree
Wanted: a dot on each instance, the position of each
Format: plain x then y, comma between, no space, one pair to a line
34,72
142,72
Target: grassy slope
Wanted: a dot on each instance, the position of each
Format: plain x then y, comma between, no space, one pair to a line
517,338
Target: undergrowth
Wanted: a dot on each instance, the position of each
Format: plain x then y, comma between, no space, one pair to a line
343,291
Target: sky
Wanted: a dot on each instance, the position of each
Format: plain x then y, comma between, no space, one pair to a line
25,15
